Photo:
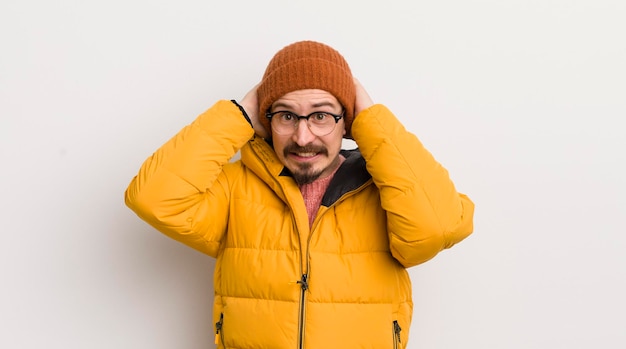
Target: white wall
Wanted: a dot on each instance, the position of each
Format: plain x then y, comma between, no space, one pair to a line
522,100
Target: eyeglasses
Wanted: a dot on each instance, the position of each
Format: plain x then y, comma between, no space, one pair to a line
320,123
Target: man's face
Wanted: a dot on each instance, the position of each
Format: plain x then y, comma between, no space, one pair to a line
306,155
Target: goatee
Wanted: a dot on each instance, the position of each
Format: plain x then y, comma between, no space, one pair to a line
303,174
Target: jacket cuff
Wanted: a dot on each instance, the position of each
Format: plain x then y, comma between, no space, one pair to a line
243,111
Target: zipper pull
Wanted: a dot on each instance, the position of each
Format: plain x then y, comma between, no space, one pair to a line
396,330
303,282
218,328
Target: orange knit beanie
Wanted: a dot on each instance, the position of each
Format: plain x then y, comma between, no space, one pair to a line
307,65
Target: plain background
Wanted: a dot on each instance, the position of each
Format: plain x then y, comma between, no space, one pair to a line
523,101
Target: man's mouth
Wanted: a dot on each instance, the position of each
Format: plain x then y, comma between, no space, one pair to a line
305,155
304,152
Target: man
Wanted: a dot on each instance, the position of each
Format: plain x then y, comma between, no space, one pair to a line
312,242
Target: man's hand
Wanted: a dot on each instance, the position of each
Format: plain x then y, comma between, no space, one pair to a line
363,100
250,104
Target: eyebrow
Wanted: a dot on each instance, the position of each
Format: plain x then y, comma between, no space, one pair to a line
316,105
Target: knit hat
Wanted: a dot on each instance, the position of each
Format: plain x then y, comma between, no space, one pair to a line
307,65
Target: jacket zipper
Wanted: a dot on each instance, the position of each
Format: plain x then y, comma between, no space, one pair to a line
396,335
219,334
304,285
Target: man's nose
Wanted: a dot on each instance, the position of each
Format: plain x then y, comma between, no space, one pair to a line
303,135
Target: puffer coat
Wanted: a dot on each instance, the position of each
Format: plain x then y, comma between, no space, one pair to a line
280,283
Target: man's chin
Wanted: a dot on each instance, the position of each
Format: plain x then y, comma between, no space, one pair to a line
305,178
305,174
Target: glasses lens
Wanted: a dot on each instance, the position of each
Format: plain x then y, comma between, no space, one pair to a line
284,122
321,124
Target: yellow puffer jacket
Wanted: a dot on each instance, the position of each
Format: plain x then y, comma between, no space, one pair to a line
278,283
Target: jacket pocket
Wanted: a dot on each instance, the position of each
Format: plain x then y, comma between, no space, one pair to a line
219,332
397,342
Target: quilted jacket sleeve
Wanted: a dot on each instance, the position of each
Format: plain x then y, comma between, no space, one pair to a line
425,213
182,189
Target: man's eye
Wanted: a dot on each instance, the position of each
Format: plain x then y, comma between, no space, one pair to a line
286,116
320,116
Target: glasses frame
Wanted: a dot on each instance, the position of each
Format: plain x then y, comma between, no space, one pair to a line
337,117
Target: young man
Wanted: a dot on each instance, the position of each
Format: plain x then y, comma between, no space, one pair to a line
312,242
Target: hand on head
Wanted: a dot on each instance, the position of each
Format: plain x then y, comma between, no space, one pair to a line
363,100
250,104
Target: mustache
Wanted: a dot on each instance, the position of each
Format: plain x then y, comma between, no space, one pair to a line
294,148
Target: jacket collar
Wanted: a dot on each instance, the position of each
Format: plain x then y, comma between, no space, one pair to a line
351,175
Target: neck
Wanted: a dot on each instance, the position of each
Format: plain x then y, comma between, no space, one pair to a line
313,192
